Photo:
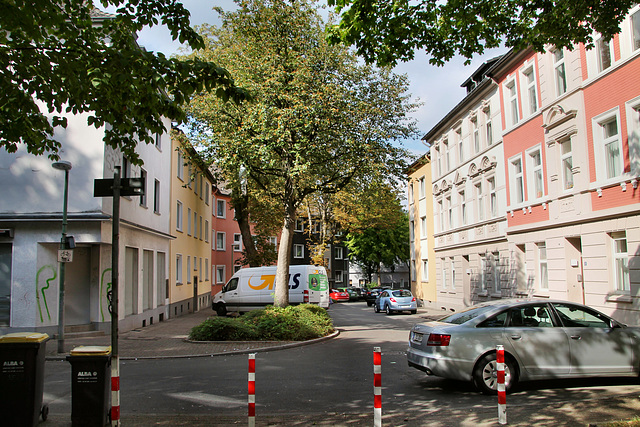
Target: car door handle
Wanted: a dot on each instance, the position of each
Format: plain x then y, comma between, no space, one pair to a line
516,337
576,337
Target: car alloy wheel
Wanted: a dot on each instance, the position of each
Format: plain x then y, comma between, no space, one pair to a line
485,374
388,310
376,308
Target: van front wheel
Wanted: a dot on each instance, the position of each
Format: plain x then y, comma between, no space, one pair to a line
221,310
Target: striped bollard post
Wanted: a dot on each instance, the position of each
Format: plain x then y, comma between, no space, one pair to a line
377,387
502,394
252,390
115,391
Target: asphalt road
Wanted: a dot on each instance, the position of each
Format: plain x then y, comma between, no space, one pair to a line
331,383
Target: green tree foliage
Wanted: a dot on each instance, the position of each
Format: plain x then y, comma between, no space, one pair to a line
319,118
386,31
59,57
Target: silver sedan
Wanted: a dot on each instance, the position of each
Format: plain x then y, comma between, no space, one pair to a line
542,339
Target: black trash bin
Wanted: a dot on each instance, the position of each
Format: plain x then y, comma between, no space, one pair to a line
22,378
90,385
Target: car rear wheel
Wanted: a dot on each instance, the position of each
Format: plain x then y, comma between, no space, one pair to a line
376,308
414,311
387,309
485,374
221,310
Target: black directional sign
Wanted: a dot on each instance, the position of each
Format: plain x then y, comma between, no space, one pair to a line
128,187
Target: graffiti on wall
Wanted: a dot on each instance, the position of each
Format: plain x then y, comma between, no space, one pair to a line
104,293
54,274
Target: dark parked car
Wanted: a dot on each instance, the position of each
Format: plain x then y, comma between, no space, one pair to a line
372,294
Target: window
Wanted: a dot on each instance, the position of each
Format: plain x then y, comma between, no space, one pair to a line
422,188
178,269
620,261
480,201
412,234
439,160
423,227
220,274
531,89
201,186
338,251
493,198
221,209
180,166
189,268
447,160
273,240
206,192
195,224
488,129
411,192
188,221
444,273
543,273
453,273
298,251
534,169
190,183
517,181
566,160
220,240
441,213
158,141
476,136
635,29
237,242
126,168
179,215
449,212
143,197
483,273
574,316
603,50
425,269
463,208
560,75
495,267
512,102
339,276
156,196
206,269
200,227
460,145
609,161
206,230
299,225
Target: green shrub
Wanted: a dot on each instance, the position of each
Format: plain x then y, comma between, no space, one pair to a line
292,323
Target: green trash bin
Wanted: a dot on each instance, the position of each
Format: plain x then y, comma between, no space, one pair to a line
90,385
22,378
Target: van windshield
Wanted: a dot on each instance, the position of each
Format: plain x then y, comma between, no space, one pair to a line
231,285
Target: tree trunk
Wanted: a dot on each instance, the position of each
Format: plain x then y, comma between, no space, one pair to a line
281,297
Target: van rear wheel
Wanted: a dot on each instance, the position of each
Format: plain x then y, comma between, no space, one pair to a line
221,310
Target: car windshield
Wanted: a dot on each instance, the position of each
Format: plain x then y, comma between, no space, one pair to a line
402,293
466,315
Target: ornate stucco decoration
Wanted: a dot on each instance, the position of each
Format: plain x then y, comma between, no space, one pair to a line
487,164
556,116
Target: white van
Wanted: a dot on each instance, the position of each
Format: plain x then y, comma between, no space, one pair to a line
252,288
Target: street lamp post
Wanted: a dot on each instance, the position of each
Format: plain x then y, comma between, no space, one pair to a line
66,167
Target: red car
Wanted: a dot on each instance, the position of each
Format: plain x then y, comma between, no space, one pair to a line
337,295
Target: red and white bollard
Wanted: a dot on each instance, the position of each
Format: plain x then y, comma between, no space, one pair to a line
115,391
377,387
502,394
252,390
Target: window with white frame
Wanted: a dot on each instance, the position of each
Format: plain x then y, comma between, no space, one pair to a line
425,269
237,242
559,71
483,273
273,240
423,227
531,89
207,193
488,128
517,181
534,174
179,269
206,269
543,271
143,197
604,55
463,207
410,192
441,214
180,166
476,136
512,102
338,276
447,155
412,232
206,230
493,198
339,252
444,272
220,274
298,251
453,272
299,225
633,131
461,153
566,162
179,215
189,268
221,208
156,196
635,30
220,240
189,221
479,201
449,212
195,224
439,160
608,145
423,191
620,261
495,268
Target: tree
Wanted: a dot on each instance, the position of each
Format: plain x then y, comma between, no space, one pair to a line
63,56
318,117
390,31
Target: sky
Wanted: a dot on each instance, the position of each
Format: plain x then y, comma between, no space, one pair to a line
437,88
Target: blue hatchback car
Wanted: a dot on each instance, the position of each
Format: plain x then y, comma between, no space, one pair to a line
394,300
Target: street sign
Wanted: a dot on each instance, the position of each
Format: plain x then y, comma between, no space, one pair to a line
65,255
128,187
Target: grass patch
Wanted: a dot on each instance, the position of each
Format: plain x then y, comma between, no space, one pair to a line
292,323
635,422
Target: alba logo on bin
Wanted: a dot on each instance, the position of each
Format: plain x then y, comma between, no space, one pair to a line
268,281
11,363
85,374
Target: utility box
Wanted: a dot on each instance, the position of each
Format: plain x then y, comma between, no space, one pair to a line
22,358
90,385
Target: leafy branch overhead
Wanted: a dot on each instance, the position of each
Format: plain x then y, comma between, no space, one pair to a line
65,57
386,32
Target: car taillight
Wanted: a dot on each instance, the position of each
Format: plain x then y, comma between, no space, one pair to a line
439,340
392,299
413,299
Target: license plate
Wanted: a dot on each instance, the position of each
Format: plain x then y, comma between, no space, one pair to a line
416,337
